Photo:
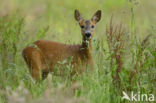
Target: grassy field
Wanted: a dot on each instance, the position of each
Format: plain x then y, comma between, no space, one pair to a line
125,60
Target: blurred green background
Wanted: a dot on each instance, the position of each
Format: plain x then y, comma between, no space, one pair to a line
59,15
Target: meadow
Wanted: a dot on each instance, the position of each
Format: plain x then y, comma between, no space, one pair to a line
124,50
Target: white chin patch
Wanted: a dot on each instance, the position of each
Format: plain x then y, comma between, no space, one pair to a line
88,38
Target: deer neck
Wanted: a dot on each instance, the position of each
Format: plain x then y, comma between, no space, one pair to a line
86,48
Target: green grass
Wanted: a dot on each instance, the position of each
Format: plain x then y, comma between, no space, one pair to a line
23,22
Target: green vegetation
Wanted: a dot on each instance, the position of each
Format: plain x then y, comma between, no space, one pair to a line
125,58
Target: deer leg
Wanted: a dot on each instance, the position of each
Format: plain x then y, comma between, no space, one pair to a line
35,73
36,65
44,74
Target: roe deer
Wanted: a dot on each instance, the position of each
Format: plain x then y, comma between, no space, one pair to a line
42,57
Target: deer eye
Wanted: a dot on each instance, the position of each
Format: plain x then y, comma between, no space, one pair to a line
92,26
82,26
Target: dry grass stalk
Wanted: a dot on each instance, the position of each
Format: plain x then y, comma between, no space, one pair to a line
115,39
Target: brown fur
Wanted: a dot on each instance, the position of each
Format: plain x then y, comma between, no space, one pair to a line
44,55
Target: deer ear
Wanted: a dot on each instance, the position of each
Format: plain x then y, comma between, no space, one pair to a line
77,15
96,17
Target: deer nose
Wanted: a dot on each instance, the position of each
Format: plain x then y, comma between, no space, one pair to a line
88,35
